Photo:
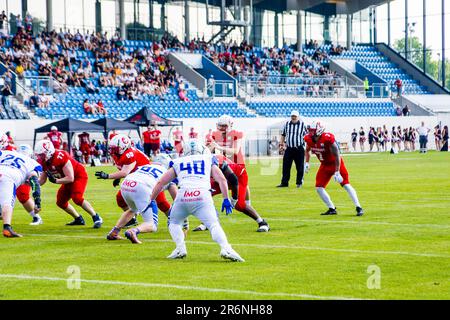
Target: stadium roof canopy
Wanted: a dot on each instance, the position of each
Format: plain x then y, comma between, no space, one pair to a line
322,7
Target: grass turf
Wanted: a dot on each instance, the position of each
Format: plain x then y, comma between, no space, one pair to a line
405,233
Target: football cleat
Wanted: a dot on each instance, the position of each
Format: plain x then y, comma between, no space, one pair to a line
36,221
359,211
98,221
177,254
132,236
79,221
200,227
263,226
132,222
282,185
10,233
114,234
232,255
329,212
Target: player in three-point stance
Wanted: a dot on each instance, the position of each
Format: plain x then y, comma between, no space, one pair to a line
193,172
15,170
323,145
60,168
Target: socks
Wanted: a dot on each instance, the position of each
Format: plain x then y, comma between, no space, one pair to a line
219,236
352,193
32,214
176,232
325,197
259,220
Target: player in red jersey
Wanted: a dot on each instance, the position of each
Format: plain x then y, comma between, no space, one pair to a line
193,134
55,137
60,168
24,190
228,141
237,178
127,160
85,146
324,146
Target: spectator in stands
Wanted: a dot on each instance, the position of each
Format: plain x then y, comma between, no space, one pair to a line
398,84
3,23
398,111
445,139
90,88
405,111
121,94
20,70
55,137
34,101
6,92
183,96
366,86
101,108
88,108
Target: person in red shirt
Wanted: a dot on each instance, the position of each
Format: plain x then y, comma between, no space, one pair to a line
193,134
155,141
85,146
324,146
208,137
60,168
228,141
112,134
127,159
398,83
237,178
147,140
55,137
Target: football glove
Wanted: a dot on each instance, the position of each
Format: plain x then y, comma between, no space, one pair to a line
338,177
116,182
51,177
101,175
227,206
306,167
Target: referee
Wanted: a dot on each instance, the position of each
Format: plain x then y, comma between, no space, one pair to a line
293,144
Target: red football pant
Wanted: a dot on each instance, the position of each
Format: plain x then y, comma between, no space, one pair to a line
85,148
74,191
23,193
242,191
326,172
161,201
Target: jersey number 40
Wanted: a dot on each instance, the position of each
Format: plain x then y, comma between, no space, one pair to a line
198,166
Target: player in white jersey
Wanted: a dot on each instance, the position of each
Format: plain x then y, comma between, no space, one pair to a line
15,169
194,171
136,190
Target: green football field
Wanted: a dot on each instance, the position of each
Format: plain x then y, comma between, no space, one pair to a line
400,249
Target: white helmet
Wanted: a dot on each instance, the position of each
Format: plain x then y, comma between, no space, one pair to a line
316,128
119,144
44,150
3,140
26,149
224,120
162,159
53,128
193,147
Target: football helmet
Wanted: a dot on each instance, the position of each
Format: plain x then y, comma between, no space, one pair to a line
316,128
193,147
44,150
162,159
119,144
54,128
224,123
3,140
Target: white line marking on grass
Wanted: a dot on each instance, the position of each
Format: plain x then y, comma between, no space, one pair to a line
418,225
268,246
180,287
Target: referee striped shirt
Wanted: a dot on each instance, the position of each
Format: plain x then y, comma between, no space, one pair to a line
294,134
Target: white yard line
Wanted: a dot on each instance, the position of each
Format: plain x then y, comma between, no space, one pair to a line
267,246
418,225
179,287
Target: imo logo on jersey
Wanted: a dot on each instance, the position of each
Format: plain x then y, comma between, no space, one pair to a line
195,193
130,184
